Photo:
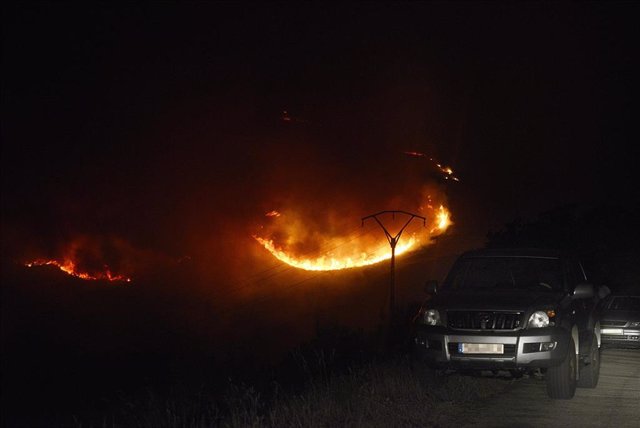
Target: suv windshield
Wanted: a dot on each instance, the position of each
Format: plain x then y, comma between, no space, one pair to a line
483,273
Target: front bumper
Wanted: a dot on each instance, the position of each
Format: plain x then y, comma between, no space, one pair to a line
441,347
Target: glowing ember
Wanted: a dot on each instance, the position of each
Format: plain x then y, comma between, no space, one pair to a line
286,117
273,213
69,267
363,250
447,172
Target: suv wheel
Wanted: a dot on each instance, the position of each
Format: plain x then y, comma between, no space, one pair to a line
561,380
590,371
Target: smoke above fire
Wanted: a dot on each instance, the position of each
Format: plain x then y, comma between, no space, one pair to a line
302,206
313,196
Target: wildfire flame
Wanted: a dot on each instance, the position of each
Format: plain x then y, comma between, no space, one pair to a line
443,220
355,256
447,172
325,263
69,267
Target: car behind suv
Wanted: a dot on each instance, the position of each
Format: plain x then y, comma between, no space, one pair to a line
521,310
621,321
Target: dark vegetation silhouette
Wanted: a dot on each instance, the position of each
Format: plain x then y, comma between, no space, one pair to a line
606,237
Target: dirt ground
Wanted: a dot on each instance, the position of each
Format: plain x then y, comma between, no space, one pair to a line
613,403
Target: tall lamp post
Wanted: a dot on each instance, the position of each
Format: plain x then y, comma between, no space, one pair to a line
393,241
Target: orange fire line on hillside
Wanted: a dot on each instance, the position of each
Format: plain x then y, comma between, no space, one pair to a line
70,268
358,254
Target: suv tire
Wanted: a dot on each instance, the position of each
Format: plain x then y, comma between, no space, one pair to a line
561,380
590,371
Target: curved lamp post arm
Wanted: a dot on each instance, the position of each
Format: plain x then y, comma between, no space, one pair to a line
393,241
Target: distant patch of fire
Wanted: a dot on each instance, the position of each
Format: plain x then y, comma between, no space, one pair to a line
70,268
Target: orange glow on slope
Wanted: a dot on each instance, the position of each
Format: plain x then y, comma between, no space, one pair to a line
359,251
328,262
69,267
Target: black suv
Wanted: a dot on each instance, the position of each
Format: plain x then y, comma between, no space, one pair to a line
521,310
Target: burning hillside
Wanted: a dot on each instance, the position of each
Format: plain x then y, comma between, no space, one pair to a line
289,242
93,259
69,266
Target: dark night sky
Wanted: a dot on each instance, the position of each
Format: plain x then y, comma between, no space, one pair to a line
161,121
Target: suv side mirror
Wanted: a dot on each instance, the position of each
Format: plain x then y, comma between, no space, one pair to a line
584,291
431,287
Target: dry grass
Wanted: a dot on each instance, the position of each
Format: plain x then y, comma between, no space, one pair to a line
387,394
331,388
379,395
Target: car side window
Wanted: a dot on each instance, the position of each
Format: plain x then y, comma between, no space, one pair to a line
569,276
574,273
580,276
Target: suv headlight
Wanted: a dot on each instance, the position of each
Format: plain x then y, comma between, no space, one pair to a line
540,319
430,317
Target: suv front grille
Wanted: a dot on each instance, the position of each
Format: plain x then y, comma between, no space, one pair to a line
484,320
613,323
